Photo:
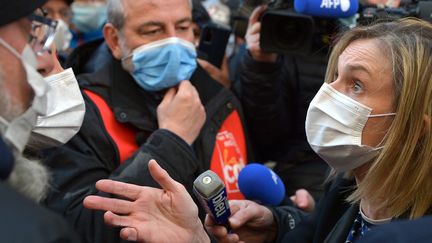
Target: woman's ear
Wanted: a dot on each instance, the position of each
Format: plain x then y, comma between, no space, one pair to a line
111,35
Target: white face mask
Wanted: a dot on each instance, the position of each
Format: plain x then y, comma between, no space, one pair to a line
334,126
17,131
64,114
63,36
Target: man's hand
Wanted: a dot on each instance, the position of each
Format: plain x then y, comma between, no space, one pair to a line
182,112
250,222
220,75
253,38
150,214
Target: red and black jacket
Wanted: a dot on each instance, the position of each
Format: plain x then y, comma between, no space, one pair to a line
118,144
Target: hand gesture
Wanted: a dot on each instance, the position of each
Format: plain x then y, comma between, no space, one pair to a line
182,112
250,222
253,37
150,214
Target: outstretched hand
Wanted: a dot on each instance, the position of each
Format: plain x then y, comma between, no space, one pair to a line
150,214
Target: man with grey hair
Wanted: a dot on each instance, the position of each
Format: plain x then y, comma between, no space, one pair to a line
22,97
150,100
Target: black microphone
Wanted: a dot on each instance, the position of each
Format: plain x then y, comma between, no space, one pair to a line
210,190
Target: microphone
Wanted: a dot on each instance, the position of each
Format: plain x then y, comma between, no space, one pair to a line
327,8
211,193
259,183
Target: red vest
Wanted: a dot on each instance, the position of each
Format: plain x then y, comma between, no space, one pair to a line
229,153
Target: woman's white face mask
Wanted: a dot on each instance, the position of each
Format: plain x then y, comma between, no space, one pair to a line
334,127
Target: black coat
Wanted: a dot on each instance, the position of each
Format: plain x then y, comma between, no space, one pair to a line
330,222
275,98
334,217
23,220
91,155
419,230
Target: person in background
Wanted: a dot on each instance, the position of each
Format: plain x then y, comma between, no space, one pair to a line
150,99
88,19
378,93
276,90
201,18
60,10
23,96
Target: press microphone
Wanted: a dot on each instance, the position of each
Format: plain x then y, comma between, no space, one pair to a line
259,183
327,8
211,193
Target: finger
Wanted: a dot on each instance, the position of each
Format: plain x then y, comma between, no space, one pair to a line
119,188
161,177
218,231
211,69
293,200
254,30
244,215
169,95
108,204
209,221
256,14
129,234
117,220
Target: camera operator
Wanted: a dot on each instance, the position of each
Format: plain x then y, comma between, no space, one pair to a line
276,92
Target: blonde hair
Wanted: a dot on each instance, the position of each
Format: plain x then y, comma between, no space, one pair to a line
400,178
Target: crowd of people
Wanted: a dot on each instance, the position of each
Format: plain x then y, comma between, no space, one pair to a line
109,110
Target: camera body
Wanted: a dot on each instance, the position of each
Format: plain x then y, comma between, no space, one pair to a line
283,30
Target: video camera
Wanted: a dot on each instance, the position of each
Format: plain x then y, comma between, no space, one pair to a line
297,26
304,26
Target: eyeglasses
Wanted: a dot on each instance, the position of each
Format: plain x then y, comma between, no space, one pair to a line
42,31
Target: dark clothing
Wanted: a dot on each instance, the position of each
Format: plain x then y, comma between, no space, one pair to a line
330,221
333,219
401,232
24,221
275,98
92,155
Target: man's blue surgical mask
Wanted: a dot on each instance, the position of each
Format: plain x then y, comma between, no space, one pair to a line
89,17
161,64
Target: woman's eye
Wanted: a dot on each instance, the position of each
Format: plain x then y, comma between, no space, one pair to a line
357,87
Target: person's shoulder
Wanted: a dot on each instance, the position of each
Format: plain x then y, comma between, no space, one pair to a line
401,231
25,221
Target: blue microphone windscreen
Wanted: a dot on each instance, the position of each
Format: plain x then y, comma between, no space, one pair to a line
261,184
327,8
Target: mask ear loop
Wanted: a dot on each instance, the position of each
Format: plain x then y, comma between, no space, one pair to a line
381,115
10,48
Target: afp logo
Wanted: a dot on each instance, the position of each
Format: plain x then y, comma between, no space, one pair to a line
344,5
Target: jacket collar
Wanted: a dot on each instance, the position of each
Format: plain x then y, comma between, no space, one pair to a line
129,103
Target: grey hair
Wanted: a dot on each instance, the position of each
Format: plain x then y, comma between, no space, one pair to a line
30,177
117,14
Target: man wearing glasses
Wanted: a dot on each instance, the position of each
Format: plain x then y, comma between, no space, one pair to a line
22,98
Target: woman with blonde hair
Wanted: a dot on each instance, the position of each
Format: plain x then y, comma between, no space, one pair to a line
370,121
